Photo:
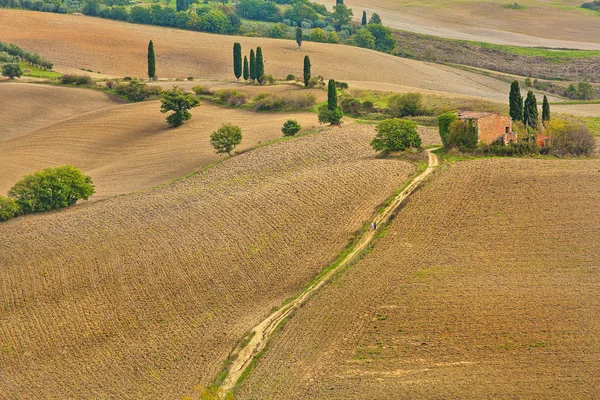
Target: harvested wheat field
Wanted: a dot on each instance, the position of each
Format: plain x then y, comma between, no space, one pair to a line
538,24
485,286
118,48
144,295
130,147
26,107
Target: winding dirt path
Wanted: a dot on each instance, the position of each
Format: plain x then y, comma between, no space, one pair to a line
263,331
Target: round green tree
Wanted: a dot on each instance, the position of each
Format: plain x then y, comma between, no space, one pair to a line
290,127
12,71
8,208
179,102
226,138
395,135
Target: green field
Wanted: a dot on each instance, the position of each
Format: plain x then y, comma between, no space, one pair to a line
36,72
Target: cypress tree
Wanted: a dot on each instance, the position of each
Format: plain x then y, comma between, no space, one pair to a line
331,96
252,65
515,101
364,18
151,61
306,70
299,37
545,110
237,60
339,1
246,69
530,112
260,64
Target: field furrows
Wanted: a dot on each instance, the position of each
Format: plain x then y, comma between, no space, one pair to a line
130,147
144,295
183,53
486,285
26,107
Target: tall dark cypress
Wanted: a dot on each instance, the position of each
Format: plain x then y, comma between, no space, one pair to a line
339,1
306,70
545,110
530,112
237,60
252,65
364,18
151,61
515,101
246,69
260,64
332,103
299,37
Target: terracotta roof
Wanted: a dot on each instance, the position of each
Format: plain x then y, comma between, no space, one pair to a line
474,114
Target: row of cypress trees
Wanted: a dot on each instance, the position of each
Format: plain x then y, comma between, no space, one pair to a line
255,69
528,111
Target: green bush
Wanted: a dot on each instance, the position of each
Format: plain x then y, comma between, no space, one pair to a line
12,71
290,101
511,150
51,188
327,116
179,102
290,127
351,106
202,90
444,121
136,91
226,138
462,134
341,85
70,79
396,135
8,208
570,138
404,105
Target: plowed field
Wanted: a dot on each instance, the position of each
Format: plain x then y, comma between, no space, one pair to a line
144,295
125,147
74,41
485,286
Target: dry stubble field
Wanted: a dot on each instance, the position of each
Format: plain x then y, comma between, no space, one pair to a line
119,49
144,295
124,148
486,286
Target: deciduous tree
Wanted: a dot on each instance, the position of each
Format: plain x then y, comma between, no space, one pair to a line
396,135
179,102
12,71
226,138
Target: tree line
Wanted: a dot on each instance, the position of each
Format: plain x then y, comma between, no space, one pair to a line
32,58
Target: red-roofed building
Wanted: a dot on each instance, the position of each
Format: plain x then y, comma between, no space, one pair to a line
490,126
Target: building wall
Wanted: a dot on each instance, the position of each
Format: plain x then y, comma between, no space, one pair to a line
493,127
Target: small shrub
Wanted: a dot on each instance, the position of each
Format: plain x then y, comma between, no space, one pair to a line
351,106
51,188
341,85
367,106
290,77
316,81
226,138
396,135
70,79
127,79
137,91
110,84
404,105
327,116
291,101
570,138
190,78
202,90
238,99
8,208
462,134
290,127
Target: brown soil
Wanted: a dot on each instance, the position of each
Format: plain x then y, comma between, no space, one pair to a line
26,107
145,295
183,53
485,286
126,147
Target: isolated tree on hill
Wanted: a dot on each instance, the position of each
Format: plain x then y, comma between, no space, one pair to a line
260,65
252,65
290,127
306,70
530,111
331,112
299,37
396,135
226,138
151,61
515,102
237,60
545,110
179,102
364,18
375,19
12,71
246,72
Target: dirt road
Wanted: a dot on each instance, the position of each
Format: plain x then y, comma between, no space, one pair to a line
263,331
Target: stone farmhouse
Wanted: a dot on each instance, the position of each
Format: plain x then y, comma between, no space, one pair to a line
490,126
